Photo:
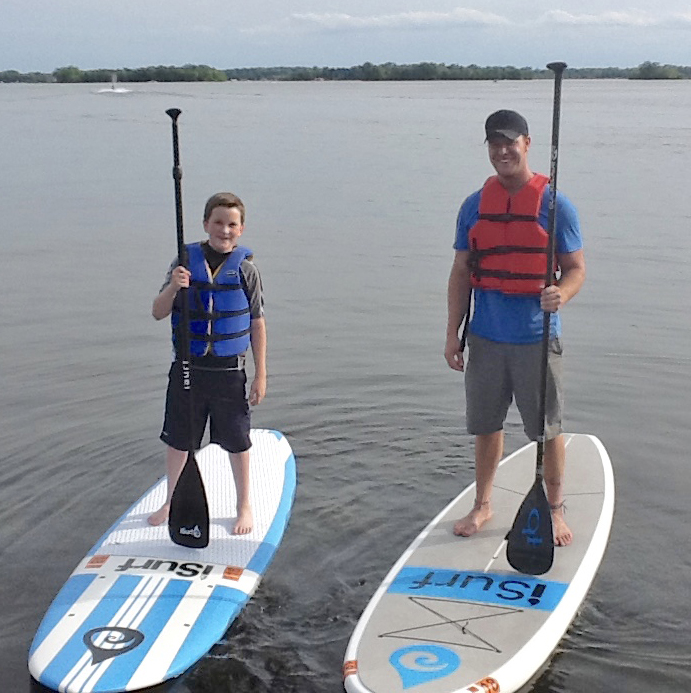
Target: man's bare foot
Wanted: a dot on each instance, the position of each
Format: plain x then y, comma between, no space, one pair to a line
471,523
160,516
562,533
243,524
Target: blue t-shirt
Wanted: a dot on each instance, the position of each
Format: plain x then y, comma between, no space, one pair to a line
507,317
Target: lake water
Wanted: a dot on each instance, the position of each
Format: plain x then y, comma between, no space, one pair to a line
352,191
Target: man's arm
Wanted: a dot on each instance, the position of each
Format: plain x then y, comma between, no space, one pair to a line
457,302
569,283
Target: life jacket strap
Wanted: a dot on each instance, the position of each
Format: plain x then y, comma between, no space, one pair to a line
213,338
475,257
198,286
507,217
504,274
216,314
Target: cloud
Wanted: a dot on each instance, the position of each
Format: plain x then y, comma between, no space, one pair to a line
311,22
404,20
626,19
338,21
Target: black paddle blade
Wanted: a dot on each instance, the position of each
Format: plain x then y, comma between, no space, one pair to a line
188,522
530,542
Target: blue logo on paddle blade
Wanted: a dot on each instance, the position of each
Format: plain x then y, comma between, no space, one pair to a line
532,527
419,664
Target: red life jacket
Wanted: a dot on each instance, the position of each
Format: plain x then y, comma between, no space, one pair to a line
508,247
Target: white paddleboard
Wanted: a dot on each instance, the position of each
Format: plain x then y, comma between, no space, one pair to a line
139,609
452,616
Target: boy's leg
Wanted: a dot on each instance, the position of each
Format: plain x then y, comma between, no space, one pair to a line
240,463
230,428
175,461
176,432
555,459
488,452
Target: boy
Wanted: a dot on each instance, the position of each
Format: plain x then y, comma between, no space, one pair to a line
226,317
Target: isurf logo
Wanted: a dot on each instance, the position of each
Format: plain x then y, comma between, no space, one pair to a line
186,570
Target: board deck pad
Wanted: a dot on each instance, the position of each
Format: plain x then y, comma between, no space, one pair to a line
452,616
139,609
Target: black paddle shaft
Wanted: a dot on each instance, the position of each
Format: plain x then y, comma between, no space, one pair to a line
183,334
530,541
183,338
558,69
188,524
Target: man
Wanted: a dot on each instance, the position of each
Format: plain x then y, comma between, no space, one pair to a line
501,255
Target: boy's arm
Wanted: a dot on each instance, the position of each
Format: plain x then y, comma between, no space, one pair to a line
163,303
258,343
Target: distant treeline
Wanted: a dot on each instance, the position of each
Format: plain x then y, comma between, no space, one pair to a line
366,72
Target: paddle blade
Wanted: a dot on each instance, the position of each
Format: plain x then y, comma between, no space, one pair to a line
188,522
530,542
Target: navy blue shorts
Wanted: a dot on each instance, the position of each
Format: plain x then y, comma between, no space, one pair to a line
217,396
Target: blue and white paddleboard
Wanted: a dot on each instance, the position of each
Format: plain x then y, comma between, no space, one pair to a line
139,609
452,616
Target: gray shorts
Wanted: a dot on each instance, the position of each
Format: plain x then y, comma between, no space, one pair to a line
497,373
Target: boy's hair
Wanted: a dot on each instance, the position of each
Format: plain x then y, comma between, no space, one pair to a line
224,199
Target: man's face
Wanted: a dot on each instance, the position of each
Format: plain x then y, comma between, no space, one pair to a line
509,157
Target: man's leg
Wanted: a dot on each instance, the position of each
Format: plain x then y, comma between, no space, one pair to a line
488,452
555,459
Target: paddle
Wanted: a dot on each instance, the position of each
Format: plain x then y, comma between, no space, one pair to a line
530,541
188,522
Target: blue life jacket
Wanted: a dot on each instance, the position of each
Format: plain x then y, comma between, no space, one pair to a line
218,307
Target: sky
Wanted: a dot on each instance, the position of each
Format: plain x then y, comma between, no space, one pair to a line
42,35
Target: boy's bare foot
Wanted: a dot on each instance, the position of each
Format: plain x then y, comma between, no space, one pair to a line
160,516
562,533
243,524
471,523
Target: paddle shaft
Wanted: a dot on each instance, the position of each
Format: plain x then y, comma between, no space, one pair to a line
558,69
188,522
183,336
530,541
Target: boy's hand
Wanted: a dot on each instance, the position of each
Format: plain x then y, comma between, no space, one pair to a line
257,390
180,278
163,303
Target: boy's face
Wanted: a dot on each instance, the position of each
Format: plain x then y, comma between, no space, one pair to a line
224,227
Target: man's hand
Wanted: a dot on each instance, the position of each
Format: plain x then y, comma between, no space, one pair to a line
453,353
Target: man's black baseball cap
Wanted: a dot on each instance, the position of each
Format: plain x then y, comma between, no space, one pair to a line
506,123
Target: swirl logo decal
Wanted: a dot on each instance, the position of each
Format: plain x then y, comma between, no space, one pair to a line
419,664
108,642
531,531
